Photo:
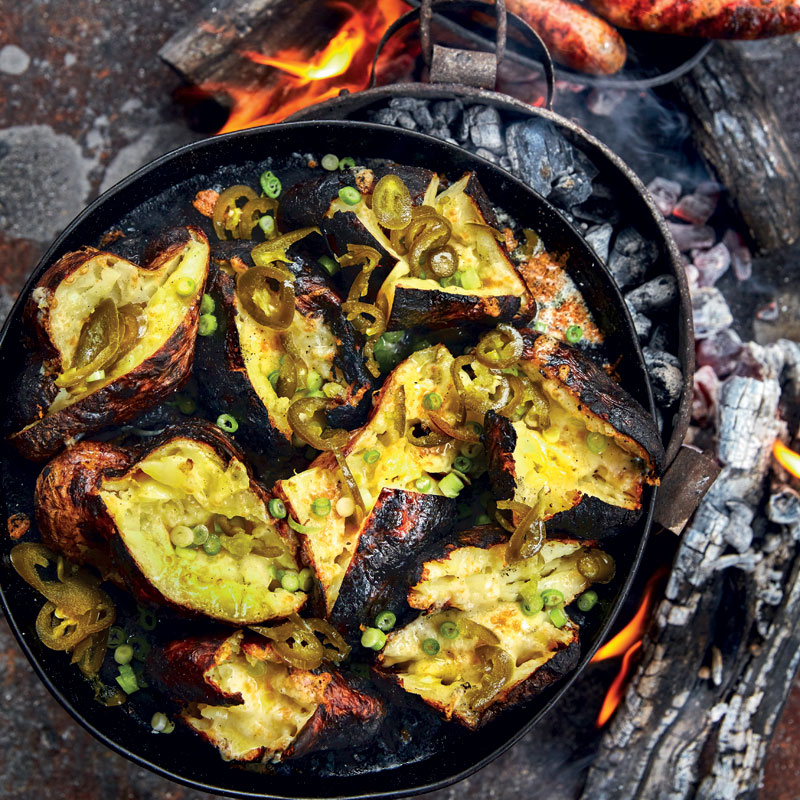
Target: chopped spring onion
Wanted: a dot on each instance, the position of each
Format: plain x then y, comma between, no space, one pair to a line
330,265
432,401
596,442
186,405
330,162
273,378
296,526
306,579
290,581
551,435
349,195
267,224
321,506
212,545
588,600
147,619
373,638
347,162
277,508
574,333
123,654
141,647
462,464
313,380
451,485
371,456
331,390
531,603
199,535
476,428
207,304
449,630
470,279
423,484
207,325
385,620
161,723
540,326
116,636
558,617
552,598
345,506
181,536
227,423
270,184
127,680
186,287
430,647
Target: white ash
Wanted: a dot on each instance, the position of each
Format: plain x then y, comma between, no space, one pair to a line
710,310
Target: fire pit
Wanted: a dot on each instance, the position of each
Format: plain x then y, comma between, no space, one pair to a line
741,542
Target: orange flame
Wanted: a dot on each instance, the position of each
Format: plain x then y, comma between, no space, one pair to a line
312,78
787,458
626,643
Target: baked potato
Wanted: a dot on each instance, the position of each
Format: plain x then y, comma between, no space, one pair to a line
113,338
252,706
240,363
380,456
483,643
586,460
185,523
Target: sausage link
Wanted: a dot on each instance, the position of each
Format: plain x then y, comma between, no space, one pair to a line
575,37
712,19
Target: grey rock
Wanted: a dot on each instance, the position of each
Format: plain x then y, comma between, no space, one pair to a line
653,295
599,239
665,374
35,157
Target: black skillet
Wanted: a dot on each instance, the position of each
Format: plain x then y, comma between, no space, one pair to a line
159,194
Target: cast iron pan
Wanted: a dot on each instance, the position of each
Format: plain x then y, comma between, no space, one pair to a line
438,753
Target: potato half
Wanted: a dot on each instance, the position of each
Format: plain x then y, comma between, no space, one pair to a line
472,587
252,706
588,464
194,476
333,540
235,363
161,303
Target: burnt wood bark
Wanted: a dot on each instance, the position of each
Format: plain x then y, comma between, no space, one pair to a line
724,644
738,134
207,51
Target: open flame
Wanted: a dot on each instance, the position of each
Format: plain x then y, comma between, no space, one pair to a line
306,79
787,458
626,644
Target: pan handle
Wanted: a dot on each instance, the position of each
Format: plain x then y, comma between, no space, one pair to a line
427,10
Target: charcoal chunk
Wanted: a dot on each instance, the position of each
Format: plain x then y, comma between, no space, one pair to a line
386,116
720,352
784,507
659,338
538,153
665,374
571,189
487,154
446,111
423,117
405,120
601,207
641,325
631,257
406,103
653,295
485,128
599,239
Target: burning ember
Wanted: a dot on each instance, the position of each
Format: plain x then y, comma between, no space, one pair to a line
787,458
626,644
344,63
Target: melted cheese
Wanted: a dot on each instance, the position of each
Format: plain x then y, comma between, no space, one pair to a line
474,584
185,482
277,703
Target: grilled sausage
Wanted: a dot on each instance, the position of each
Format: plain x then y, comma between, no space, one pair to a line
713,19
575,37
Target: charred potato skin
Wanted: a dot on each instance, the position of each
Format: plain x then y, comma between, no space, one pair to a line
400,525
66,504
433,309
598,392
348,717
125,398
